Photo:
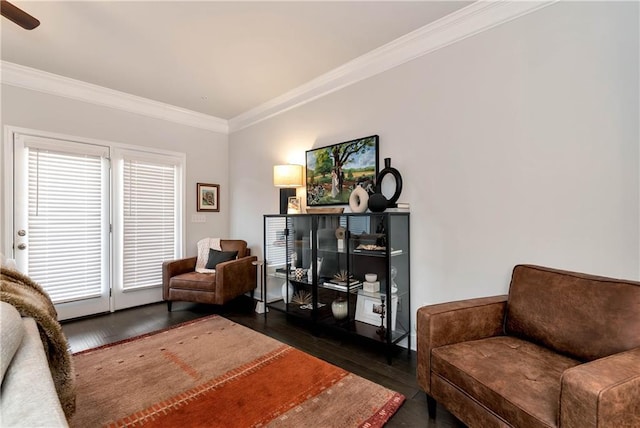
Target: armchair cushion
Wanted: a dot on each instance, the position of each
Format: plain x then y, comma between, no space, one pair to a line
522,392
216,257
194,281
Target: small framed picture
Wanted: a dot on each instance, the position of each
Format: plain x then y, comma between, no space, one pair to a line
369,309
208,197
294,205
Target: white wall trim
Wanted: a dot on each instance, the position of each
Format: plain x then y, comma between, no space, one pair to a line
466,22
42,81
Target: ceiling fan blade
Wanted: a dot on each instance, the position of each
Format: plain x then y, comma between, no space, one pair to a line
18,15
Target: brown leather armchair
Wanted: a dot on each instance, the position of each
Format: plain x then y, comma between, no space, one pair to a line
231,279
561,350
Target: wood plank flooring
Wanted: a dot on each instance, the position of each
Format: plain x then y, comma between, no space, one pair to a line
355,356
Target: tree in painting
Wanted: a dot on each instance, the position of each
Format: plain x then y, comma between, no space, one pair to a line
334,171
342,153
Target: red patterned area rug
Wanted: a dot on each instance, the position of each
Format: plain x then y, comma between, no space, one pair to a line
213,372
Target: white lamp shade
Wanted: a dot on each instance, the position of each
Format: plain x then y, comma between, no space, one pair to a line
287,175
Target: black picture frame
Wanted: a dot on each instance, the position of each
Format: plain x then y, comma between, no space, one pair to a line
354,163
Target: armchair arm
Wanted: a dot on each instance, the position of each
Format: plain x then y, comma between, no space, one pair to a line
454,322
235,277
172,268
602,393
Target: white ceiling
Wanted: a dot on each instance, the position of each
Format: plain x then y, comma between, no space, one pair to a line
217,58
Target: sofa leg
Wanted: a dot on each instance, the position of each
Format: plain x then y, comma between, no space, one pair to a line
169,302
431,407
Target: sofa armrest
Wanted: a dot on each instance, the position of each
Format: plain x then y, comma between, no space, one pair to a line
454,322
171,268
236,277
602,393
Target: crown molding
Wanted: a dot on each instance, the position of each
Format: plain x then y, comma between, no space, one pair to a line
37,80
468,21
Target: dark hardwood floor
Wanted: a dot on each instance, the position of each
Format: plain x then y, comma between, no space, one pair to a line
355,356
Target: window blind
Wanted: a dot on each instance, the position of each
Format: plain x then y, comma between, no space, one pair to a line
149,221
66,223
276,251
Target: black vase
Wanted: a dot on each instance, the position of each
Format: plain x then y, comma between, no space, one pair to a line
388,169
377,203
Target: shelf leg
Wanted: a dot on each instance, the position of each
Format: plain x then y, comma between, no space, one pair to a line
261,308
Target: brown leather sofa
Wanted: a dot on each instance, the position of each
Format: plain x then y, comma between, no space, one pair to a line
231,279
561,350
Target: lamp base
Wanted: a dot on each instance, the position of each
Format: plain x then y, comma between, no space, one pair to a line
285,193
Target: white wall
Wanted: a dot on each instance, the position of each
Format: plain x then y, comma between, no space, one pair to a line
517,145
206,151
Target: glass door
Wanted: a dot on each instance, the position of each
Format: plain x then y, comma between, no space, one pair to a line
61,221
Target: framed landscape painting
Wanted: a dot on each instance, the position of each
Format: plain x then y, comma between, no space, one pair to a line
334,171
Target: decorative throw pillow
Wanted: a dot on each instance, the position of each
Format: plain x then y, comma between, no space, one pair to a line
216,257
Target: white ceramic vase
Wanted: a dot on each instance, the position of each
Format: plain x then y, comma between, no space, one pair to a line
340,308
358,200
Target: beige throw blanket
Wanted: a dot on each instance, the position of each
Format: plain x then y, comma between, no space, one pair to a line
32,301
203,253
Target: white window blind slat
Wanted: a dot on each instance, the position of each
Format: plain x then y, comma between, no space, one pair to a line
149,215
276,251
65,217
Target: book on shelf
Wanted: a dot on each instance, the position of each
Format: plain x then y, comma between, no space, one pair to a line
338,282
377,251
400,207
342,285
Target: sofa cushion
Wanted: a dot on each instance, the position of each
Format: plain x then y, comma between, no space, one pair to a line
517,380
583,316
11,333
194,281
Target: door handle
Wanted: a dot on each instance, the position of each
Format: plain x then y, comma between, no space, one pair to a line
22,246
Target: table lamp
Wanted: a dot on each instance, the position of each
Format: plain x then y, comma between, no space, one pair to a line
287,178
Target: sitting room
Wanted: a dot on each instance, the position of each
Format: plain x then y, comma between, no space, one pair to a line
462,191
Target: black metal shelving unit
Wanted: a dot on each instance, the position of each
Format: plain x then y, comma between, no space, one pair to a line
305,254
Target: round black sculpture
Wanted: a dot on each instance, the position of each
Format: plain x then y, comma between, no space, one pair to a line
388,169
378,203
